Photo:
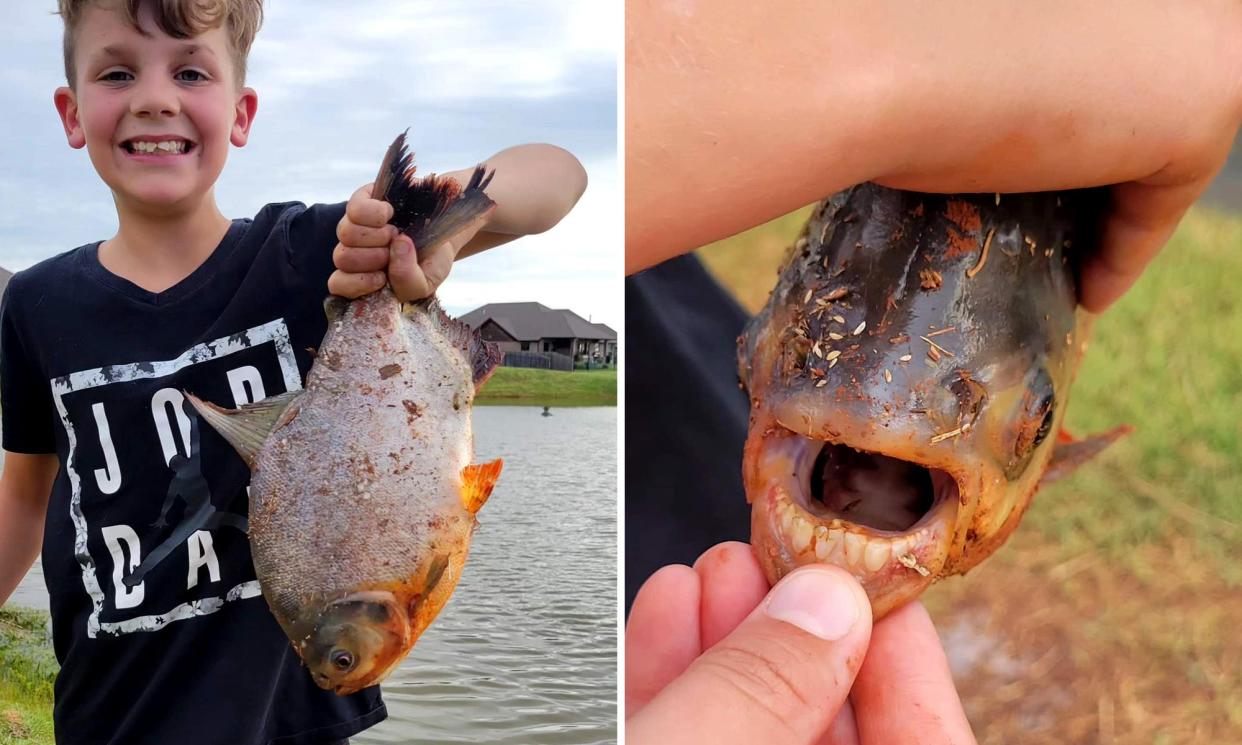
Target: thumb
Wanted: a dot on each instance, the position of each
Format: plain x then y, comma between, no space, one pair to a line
780,677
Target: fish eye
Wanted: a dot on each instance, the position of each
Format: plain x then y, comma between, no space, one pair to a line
1035,424
342,660
1045,424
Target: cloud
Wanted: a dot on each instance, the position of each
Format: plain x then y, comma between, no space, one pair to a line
336,82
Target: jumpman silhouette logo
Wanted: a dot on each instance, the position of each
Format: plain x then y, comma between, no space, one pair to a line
189,486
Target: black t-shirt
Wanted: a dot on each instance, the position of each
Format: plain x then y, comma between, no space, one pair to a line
685,419
158,622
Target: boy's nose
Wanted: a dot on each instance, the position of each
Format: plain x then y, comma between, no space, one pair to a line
155,98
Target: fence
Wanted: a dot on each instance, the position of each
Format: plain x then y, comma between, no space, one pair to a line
543,360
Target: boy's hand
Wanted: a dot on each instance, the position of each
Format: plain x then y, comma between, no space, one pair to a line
366,239
713,656
371,253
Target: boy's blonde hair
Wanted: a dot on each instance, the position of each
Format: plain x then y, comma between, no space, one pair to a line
180,19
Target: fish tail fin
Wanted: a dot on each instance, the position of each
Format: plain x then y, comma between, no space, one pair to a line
477,482
431,209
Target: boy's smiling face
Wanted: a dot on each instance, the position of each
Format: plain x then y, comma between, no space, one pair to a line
155,113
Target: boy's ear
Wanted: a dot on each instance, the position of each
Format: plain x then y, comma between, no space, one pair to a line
247,106
67,106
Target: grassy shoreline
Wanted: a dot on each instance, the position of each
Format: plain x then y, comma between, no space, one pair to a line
27,672
515,386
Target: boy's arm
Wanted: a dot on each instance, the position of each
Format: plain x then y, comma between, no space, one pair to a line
726,129
25,486
534,187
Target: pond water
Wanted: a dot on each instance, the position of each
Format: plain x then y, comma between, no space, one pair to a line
525,651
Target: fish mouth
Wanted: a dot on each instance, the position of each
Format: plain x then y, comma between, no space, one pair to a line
886,520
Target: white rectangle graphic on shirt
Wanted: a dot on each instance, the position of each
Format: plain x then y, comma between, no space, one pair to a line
275,332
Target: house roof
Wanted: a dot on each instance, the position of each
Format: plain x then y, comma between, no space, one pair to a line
534,321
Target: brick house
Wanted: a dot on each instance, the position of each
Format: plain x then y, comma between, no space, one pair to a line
534,327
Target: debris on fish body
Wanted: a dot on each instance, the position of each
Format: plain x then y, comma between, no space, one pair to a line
905,377
363,492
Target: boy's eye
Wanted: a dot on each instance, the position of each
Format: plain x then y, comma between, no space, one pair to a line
116,76
192,76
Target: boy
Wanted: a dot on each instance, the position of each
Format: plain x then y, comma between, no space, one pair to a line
157,620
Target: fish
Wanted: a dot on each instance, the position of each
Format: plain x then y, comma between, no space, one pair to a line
908,379
364,493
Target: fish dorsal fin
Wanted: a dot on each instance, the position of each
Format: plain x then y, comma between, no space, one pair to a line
246,428
433,209
477,482
1068,454
484,356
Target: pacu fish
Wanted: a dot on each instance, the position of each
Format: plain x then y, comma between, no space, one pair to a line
363,494
908,378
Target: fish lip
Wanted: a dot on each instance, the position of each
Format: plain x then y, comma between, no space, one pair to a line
915,557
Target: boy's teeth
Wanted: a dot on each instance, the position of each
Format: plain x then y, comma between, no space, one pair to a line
168,146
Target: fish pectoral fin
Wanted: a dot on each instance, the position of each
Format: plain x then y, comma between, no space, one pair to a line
246,428
477,481
1068,454
435,573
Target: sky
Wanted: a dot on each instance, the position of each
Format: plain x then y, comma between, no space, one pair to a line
336,82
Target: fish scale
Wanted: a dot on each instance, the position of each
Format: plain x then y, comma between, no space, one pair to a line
351,423
363,495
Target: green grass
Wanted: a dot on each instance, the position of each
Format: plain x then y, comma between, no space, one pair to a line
1167,359
516,386
27,671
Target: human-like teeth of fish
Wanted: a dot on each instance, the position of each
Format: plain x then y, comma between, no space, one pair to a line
838,545
172,147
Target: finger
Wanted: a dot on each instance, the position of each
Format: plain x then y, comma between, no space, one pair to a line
661,635
361,236
1139,222
904,665
780,677
363,209
436,265
405,271
732,585
843,730
357,260
347,284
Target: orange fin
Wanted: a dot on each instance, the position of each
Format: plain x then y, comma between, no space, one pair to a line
477,481
1068,454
